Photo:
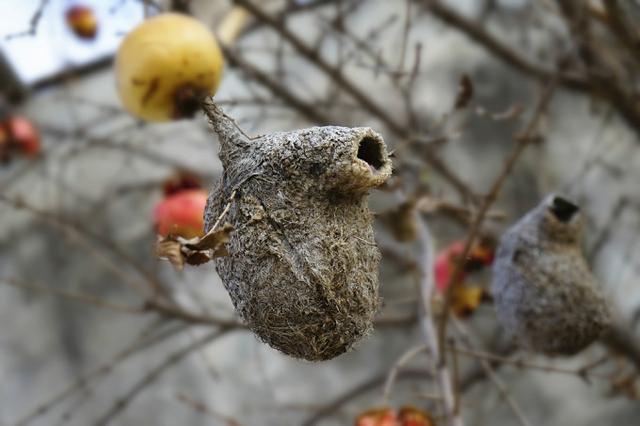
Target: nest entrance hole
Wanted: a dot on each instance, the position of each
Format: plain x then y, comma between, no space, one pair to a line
370,151
563,209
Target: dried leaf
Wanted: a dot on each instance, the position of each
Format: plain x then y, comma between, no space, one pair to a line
212,240
466,299
197,258
465,92
220,252
480,255
402,222
194,251
171,250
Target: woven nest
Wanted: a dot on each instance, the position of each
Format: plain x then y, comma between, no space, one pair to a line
545,295
303,263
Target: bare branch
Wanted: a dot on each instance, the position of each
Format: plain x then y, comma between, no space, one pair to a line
127,399
33,23
524,140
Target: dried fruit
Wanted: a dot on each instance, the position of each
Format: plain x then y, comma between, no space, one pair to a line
82,20
481,254
466,298
302,269
166,66
545,295
181,214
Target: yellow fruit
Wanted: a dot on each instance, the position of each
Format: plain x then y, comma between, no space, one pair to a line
166,65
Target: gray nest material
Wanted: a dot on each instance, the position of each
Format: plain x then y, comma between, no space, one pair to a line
545,295
302,269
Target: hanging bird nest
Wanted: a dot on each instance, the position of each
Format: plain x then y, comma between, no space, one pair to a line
303,263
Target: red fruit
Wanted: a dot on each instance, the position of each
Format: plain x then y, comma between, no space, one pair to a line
82,21
181,214
445,263
23,135
411,416
481,254
378,417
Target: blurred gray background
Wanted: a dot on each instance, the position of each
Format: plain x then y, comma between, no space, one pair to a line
103,170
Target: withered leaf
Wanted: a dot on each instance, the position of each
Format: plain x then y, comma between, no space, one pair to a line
221,252
466,299
197,258
402,221
465,92
213,240
194,251
172,251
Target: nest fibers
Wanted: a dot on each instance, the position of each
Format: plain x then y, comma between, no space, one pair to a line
303,264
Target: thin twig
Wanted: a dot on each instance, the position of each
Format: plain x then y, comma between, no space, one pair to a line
491,374
81,231
360,389
138,345
71,295
478,35
275,87
393,371
127,399
523,141
203,408
337,77
582,372
33,23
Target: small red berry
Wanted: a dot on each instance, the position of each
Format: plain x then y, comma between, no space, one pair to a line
82,21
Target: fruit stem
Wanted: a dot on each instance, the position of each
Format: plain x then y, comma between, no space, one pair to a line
187,101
